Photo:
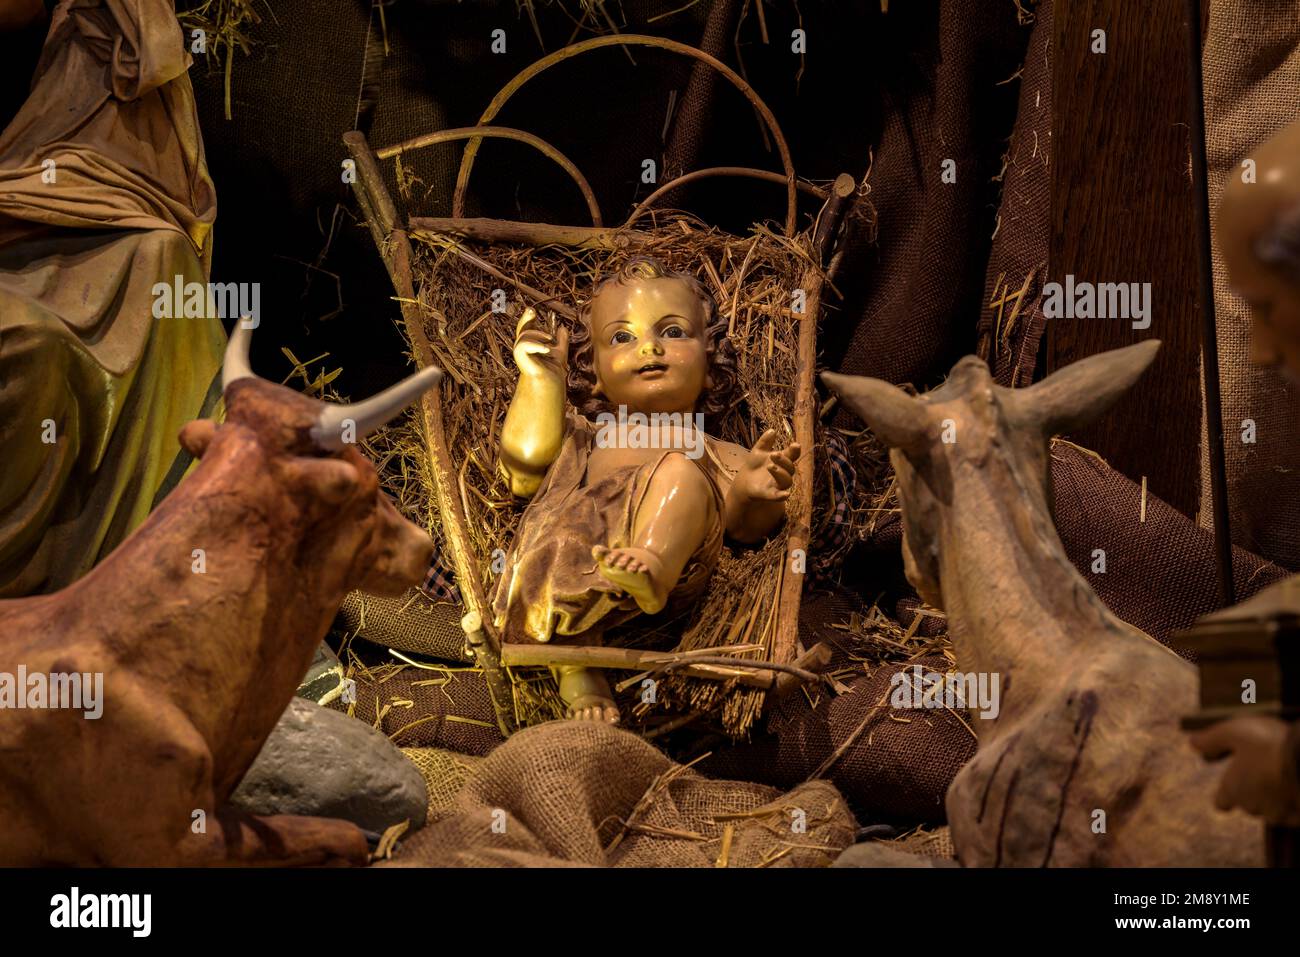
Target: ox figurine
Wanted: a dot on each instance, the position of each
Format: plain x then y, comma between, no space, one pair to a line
201,624
1083,762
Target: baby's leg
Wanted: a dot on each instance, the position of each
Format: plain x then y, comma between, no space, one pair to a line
671,522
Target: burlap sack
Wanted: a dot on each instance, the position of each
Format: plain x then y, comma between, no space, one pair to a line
936,843
418,708
1252,89
408,622
582,793
444,773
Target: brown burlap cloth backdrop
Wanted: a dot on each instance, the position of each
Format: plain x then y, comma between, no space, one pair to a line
1159,571
1252,90
588,794
891,767
1011,320
911,292
418,708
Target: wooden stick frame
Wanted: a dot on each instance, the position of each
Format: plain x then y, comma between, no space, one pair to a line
630,39
395,249
477,133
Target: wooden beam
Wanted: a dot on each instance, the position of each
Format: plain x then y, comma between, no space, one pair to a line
1123,210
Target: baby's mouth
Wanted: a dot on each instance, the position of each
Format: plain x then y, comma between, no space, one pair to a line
652,369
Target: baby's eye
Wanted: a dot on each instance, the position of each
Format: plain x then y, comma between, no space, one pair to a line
674,332
622,337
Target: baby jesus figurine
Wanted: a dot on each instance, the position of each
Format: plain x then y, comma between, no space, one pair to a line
625,518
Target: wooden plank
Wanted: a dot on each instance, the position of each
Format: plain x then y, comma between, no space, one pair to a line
1123,211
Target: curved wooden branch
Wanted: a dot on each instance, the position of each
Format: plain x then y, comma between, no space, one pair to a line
476,133
629,39
747,172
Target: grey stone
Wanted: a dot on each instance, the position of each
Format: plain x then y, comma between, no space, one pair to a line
321,763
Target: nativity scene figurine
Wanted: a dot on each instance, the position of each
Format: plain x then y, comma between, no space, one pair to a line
626,519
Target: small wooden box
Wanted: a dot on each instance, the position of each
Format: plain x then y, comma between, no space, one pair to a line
1234,646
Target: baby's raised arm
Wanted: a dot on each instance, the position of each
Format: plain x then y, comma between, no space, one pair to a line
534,426
755,503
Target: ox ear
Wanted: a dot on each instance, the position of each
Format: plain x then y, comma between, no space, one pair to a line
901,420
1072,397
328,480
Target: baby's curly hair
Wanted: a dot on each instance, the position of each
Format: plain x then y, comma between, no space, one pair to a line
722,354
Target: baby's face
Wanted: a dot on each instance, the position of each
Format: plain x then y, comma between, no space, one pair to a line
650,345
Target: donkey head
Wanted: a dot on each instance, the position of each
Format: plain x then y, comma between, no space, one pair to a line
302,472
969,427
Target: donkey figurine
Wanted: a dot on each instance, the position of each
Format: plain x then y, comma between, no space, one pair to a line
1084,763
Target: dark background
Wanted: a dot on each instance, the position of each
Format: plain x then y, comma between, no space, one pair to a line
897,93
285,218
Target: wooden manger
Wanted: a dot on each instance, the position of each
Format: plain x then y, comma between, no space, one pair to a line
742,642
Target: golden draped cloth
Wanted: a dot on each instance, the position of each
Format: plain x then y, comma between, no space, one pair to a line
103,193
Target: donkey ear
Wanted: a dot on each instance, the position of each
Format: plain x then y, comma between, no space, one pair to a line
1076,395
898,418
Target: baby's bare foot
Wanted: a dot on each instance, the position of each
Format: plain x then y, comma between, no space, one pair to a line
636,571
589,708
587,694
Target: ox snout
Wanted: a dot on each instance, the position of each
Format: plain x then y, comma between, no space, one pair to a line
403,556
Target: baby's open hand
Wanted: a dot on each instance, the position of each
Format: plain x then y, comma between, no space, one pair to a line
768,472
536,351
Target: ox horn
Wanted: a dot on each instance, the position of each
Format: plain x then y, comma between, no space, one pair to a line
365,416
369,415
236,364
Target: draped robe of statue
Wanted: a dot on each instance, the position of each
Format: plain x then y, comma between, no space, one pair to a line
104,192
